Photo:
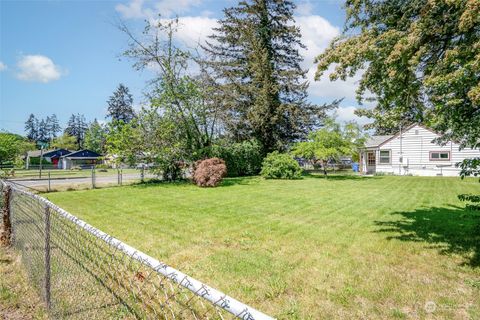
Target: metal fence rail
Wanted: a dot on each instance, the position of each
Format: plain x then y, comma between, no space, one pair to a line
82,272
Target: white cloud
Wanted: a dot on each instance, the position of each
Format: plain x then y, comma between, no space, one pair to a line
193,30
332,89
3,66
348,114
132,10
37,68
141,9
317,32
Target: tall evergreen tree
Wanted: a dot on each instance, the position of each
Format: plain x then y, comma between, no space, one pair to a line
120,105
42,131
31,127
53,127
254,57
76,127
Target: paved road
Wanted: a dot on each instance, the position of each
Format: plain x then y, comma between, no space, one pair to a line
65,182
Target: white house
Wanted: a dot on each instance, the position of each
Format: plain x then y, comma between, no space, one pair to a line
412,151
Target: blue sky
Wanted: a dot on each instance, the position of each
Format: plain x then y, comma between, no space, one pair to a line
63,57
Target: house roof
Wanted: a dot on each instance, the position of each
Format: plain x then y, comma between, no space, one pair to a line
48,153
375,141
58,153
82,154
36,153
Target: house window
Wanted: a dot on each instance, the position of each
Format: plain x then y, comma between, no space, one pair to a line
371,159
384,156
439,155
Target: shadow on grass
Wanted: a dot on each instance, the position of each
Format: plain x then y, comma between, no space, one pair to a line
339,176
449,229
227,182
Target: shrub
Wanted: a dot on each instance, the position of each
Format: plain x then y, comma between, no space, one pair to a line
242,158
280,166
209,172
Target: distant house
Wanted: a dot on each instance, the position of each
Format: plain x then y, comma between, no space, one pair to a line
412,151
50,156
83,158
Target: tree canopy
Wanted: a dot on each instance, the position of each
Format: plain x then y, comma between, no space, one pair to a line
76,127
65,141
419,58
331,142
95,137
13,146
120,105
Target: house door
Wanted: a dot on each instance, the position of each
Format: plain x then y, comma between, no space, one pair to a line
371,162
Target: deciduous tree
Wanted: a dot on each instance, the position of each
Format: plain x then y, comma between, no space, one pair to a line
419,58
65,141
330,143
95,137
13,146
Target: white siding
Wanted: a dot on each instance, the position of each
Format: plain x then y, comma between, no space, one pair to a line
415,145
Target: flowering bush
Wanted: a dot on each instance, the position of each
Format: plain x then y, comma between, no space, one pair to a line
209,172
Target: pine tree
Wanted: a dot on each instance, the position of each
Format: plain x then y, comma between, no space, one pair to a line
76,127
254,57
53,127
42,133
31,127
120,105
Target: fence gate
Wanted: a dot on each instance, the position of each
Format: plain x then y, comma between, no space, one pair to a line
83,273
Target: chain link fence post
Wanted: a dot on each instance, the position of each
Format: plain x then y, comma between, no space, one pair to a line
49,188
6,232
93,177
142,174
47,257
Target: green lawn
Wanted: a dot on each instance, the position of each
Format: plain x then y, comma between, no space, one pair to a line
343,247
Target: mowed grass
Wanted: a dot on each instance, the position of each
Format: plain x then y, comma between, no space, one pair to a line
338,248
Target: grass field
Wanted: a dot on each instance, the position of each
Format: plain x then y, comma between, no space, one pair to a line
18,299
343,247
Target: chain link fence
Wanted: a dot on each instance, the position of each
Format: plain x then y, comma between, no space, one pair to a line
82,272
96,176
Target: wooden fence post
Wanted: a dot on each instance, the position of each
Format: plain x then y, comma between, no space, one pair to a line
6,232
47,256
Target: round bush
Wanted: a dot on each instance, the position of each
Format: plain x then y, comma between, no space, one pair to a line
280,166
209,172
